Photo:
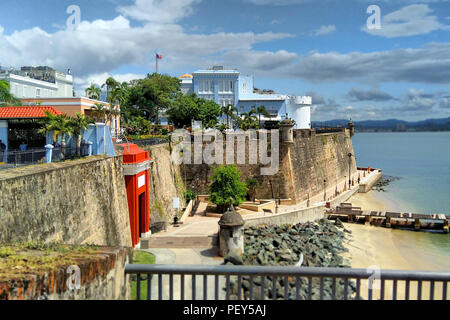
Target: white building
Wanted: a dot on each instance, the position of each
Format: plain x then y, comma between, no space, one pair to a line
231,87
38,82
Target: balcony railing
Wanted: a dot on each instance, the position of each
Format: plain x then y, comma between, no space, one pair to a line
16,158
179,282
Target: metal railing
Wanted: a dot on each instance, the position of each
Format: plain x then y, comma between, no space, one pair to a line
180,282
16,158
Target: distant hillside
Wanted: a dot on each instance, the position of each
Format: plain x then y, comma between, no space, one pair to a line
442,124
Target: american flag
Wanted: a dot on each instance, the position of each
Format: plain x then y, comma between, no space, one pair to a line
159,56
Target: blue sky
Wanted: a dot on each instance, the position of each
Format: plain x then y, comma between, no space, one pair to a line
320,48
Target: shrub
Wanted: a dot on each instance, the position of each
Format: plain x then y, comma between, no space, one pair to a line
190,195
227,184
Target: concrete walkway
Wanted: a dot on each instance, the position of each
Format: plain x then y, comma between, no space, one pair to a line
187,256
200,231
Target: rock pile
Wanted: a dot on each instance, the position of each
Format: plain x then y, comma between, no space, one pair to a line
315,244
384,182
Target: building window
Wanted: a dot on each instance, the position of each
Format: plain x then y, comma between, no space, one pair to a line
225,102
38,93
225,86
242,109
244,87
206,86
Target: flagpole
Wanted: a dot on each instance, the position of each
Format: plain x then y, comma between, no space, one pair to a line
156,64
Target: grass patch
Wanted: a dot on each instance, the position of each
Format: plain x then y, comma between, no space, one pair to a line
140,257
20,259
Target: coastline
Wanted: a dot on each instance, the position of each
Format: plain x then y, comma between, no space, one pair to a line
376,248
393,248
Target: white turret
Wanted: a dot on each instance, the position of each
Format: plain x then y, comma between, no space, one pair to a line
299,110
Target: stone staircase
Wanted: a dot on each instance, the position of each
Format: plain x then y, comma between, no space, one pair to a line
179,242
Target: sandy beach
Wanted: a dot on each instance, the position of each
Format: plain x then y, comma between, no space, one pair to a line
377,247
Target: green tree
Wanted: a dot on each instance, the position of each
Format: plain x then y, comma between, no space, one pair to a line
93,92
191,107
261,110
78,124
227,184
248,121
99,111
229,111
150,96
59,125
252,184
6,97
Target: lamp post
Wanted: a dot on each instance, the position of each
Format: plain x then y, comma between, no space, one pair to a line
349,169
324,190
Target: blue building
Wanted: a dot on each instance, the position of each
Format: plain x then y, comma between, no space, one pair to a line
231,87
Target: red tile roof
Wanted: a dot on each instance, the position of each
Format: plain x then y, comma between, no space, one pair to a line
26,112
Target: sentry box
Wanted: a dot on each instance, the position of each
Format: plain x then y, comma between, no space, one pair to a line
136,169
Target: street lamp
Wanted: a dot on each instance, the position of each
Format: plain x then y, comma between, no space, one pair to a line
349,169
324,190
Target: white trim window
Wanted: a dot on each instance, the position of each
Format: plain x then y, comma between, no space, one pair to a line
225,86
206,86
226,102
38,92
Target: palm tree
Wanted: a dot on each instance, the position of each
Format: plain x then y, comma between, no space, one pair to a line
248,120
229,111
99,111
5,96
58,124
93,92
110,84
261,110
78,124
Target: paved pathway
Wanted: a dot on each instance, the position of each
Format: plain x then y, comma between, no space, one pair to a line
187,256
200,231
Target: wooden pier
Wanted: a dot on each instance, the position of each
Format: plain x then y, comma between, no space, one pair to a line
347,213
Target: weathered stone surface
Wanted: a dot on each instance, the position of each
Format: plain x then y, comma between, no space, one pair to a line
166,183
102,278
319,243
304,165
234,258
75,202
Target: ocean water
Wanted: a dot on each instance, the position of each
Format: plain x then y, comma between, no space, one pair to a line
420,159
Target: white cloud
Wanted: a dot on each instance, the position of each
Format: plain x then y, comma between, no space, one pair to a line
262,61
99,46
417,100
162,11
273,22
411,20
100,78
429,64
445,102
324,30
276,2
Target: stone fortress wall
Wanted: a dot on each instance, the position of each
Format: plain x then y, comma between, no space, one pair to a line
304,165
74,202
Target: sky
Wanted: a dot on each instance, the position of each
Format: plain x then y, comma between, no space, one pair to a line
322,48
